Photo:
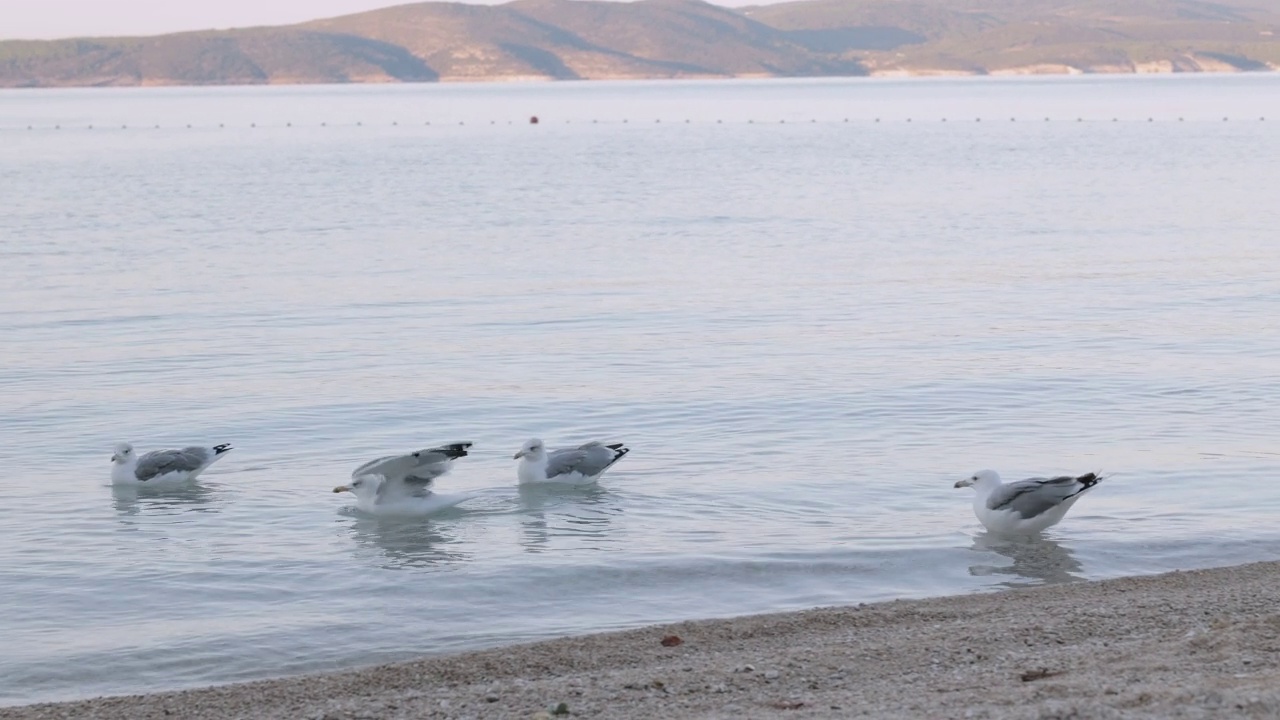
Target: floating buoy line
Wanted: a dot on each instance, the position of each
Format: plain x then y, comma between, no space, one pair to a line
535,120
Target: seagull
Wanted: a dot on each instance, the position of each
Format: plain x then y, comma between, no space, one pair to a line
572,466
401,484
162,466
1027,506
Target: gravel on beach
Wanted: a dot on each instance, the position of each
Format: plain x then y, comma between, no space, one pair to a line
1198,644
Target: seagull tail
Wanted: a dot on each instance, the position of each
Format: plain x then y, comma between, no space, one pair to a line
219,449
619,450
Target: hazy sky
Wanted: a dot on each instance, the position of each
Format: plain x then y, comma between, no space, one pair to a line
67,18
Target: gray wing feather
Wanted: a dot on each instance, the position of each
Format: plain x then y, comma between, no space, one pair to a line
404,474
402,487
373,467
159,462
411,473
420,467
590,459
1034,496
562,462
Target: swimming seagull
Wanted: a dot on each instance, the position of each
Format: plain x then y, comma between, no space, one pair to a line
162,467
1027,506
401,484
573,466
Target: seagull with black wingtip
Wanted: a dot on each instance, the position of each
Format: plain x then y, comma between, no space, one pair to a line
403,484
1026,506
571,466
162,467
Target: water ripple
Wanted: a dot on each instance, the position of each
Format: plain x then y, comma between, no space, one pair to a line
806,334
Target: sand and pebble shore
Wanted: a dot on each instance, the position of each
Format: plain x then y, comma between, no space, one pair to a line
1198,644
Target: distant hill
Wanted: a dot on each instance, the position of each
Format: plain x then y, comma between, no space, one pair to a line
567,39
572,39
1029,36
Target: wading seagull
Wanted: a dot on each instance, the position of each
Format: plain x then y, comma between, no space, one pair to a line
401,484
573,466
162,467
1027,506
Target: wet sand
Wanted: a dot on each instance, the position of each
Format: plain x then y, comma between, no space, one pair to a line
1200,644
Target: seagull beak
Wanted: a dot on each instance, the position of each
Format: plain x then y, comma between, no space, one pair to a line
964,483
519,455
115,458
342,488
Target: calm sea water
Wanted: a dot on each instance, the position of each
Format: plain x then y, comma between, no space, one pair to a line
806,322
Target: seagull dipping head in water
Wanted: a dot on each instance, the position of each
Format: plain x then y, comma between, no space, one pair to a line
573,466
1026,506
162,466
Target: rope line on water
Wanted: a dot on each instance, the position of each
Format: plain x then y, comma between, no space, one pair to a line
623,121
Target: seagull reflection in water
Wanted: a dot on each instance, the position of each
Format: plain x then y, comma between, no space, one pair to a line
408,542
134,499
1036,560
582,513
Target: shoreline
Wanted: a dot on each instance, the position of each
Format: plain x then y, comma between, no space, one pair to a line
1186,644
1039,70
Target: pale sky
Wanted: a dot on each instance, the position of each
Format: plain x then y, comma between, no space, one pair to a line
45,19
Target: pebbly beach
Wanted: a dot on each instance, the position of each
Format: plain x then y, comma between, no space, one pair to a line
1190,644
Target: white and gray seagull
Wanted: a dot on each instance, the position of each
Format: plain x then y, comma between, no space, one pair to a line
402,484
1026,506
572,466
162,467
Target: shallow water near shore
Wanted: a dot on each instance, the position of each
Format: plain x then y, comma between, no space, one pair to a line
806,330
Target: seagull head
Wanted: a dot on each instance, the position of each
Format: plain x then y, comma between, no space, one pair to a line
123,453
982,477
532,449
362,487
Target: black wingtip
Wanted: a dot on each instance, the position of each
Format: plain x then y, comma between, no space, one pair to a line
219,449
1090,479
456,450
